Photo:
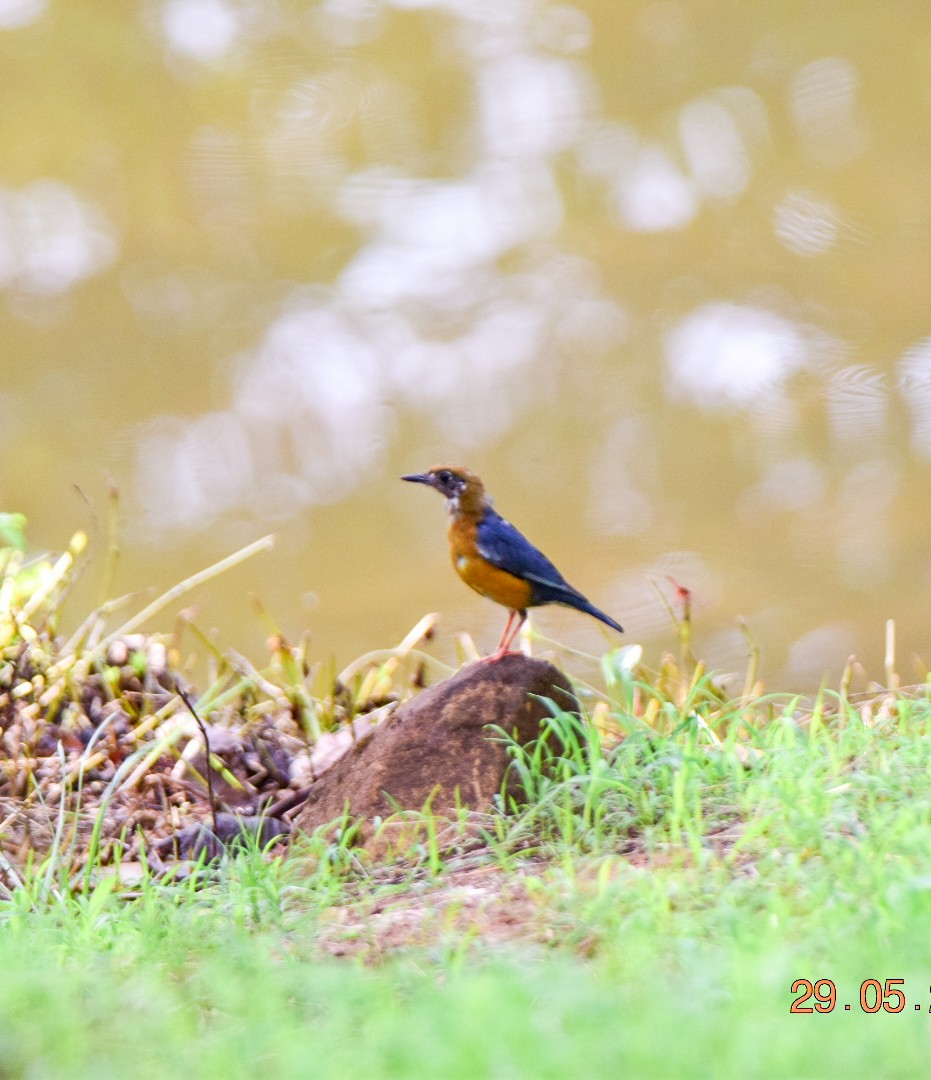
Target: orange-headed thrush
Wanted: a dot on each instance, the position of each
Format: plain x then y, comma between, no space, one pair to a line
494,559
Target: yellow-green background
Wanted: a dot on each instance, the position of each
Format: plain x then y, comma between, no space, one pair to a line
258,258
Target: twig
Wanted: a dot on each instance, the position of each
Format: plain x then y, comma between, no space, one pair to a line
892,679
182,693
188,584
113,539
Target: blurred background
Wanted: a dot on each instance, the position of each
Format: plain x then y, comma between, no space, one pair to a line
659,271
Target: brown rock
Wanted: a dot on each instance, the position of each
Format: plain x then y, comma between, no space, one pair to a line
438,745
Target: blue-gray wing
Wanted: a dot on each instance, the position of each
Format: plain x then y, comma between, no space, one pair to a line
503,546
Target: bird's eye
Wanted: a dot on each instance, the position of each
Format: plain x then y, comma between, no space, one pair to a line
444,476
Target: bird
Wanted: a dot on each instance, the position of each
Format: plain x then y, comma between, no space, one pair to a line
495,559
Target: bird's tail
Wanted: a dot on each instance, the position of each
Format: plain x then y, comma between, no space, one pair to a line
584,605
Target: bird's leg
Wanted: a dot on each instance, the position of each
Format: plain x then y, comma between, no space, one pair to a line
506,635
507,638
520,617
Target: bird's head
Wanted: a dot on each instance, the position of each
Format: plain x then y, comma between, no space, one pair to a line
462,489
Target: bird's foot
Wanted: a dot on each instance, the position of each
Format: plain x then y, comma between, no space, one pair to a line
499,654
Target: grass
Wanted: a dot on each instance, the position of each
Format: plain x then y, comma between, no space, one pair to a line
665,901
685,860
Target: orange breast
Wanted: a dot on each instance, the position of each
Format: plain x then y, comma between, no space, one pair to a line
512,592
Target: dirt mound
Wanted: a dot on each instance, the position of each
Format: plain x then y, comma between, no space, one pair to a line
442,748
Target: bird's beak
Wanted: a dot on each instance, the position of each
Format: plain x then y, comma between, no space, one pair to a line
421,478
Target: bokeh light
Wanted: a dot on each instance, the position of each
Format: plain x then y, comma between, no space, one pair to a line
658,272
